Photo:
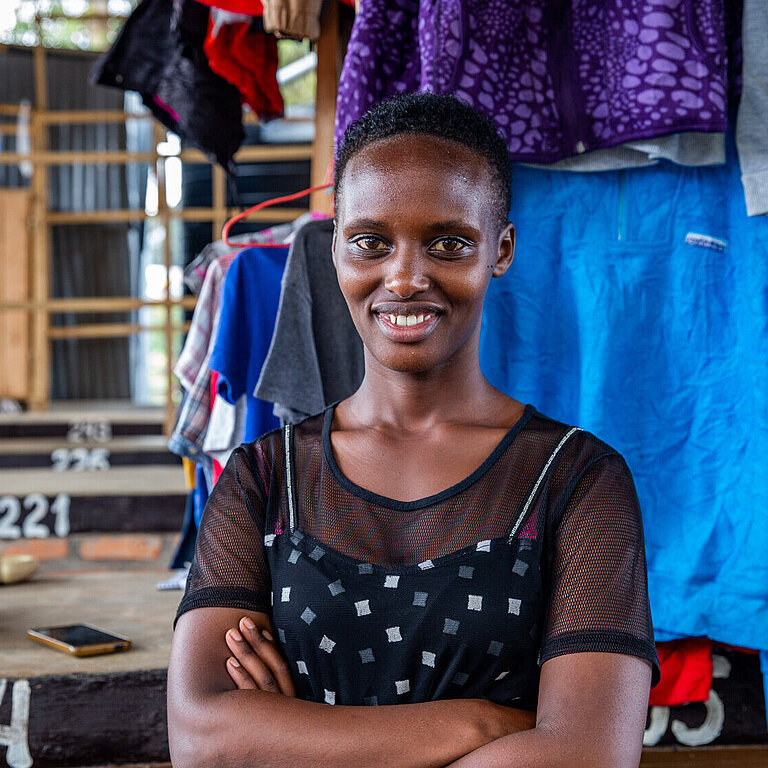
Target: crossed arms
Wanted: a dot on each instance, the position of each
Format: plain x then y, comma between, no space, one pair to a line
591,712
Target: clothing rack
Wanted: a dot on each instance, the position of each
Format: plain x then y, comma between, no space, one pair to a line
38,305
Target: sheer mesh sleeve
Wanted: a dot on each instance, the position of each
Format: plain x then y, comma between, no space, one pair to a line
230,567
597,572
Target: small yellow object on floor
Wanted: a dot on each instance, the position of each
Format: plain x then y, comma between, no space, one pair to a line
15,568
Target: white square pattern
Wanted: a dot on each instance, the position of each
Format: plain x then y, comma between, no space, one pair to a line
330,696
514,606
327,644
402,686
391,581
302,667
285,597
363,607
475,603
393,635
428,658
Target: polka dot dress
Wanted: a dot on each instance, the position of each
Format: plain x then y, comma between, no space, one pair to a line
461,595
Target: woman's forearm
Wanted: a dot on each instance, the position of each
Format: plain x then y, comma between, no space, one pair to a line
254,728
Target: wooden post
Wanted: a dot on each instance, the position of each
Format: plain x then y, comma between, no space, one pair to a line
329,57
219,198
40,353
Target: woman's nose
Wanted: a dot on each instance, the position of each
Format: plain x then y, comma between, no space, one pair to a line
406,274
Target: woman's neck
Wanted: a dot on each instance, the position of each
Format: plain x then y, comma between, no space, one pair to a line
456,392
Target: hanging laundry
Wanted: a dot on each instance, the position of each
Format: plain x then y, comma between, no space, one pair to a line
316,356
636,308
188,436
558,78
248,7
295,19
246,57
194,272
159,53
248,310
753,108
686,672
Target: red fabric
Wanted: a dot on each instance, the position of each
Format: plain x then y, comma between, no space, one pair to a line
217,468
686,672
248,59
251,7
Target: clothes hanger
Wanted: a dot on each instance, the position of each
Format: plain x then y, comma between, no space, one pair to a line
264,204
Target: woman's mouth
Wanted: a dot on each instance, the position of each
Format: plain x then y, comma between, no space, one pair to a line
412,327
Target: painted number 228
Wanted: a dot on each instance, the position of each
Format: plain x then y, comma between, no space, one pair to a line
37,508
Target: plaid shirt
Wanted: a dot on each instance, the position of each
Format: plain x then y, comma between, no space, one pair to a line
193,369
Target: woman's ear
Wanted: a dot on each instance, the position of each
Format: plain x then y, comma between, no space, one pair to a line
506,250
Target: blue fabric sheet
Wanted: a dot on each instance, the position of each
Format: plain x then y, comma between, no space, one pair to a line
637,308
248,312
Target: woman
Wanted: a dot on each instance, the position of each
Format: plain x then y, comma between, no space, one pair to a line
428,543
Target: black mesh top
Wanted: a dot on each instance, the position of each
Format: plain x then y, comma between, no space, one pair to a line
539,552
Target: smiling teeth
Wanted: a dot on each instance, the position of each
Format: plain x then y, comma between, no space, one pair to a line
408,320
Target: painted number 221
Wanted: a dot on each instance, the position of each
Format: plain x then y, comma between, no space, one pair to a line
37,508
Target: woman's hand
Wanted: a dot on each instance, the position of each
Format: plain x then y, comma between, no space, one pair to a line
256,662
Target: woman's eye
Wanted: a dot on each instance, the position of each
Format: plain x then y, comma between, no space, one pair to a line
449,245
370,243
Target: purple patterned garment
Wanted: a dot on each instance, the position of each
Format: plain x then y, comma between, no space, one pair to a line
559,77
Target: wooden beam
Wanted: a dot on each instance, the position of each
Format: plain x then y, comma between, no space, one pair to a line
705,757
219,197
273,153
83,117
40,352
255,154
187,214
96,304
325,103
109,330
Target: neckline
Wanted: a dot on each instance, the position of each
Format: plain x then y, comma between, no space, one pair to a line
386,501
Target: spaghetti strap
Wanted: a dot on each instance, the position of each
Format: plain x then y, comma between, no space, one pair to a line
532,495
288,451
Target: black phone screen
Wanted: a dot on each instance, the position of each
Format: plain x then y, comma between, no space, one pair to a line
78,634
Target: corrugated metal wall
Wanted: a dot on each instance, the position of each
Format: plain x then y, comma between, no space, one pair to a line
86,260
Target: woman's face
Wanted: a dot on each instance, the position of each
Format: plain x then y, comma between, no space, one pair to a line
415,246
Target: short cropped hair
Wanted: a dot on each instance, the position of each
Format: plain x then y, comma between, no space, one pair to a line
442,116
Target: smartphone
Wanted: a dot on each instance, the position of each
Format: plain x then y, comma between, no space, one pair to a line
79,639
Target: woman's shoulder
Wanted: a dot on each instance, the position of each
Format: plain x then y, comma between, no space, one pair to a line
271,445
576,447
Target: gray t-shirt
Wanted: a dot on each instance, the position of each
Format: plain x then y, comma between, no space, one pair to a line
316,355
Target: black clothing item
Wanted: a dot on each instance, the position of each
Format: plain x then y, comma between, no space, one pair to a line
539,552
316,355
159,53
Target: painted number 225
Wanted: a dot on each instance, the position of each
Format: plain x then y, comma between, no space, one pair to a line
37,508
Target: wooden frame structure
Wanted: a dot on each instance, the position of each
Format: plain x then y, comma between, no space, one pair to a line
40,306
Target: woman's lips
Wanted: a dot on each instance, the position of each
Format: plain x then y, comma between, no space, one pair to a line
407,328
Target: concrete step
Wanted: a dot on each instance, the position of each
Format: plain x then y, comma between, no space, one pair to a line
38,504
110,710
59,455
81,422
97,710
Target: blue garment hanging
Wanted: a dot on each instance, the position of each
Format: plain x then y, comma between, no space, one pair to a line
637,308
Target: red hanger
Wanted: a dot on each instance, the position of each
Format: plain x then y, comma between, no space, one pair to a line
258,207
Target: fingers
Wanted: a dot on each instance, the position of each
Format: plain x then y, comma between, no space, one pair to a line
239,676
251,663
264,646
